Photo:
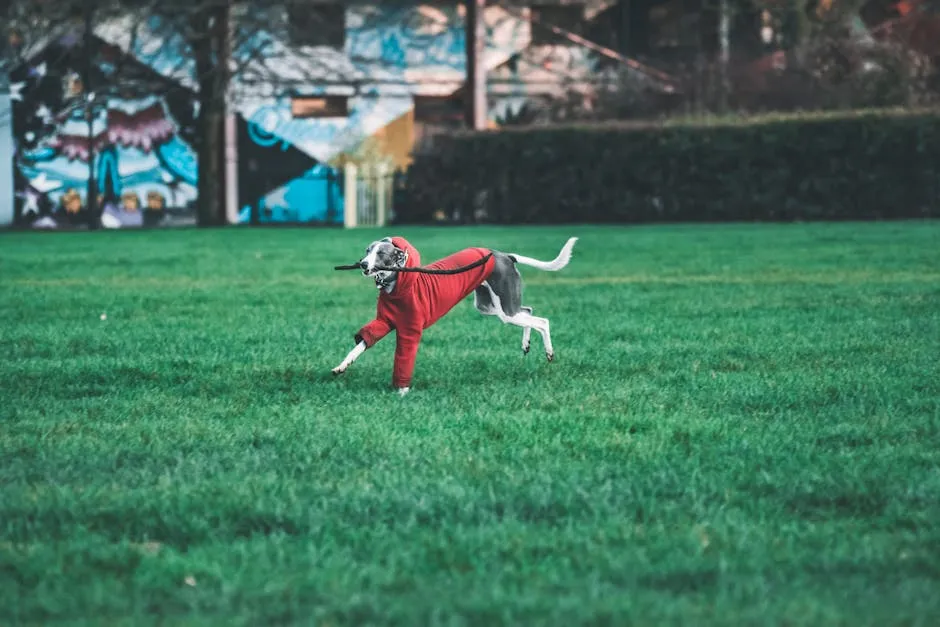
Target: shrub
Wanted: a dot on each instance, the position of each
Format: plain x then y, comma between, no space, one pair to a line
867,165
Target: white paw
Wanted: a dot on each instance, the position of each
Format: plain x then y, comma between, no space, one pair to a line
403,391
339,370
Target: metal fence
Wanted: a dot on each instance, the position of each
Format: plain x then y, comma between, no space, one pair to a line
369,195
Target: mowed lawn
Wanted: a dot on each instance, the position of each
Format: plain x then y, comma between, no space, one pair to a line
742,426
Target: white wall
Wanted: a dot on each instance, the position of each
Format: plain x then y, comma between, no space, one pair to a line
6,153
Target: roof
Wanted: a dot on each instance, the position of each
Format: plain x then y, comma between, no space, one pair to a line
265,66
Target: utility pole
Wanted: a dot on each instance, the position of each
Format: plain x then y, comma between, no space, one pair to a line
724,49
88,96
475,29
230,130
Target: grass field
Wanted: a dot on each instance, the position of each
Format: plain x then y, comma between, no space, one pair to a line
742,427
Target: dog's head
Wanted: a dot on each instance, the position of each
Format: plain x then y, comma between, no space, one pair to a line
383,254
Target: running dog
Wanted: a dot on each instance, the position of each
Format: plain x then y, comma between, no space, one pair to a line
410,302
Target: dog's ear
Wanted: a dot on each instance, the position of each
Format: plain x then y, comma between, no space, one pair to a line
400,257
386,239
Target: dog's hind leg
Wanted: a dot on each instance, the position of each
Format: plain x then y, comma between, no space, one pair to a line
527,321
506,284
485,305
524,319
504,288
483,301
526,333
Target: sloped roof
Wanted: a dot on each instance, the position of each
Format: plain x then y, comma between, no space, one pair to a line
265,66
151,42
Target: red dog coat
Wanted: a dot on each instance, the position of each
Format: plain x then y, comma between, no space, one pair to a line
420,300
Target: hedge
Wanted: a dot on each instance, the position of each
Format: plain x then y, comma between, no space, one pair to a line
869,165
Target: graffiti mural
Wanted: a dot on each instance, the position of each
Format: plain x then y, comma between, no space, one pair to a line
391,53
136,145
272,124
316,196
277,182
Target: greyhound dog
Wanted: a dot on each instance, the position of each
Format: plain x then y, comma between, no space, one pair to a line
410,302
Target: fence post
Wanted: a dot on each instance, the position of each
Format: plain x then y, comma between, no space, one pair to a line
380,189
350,195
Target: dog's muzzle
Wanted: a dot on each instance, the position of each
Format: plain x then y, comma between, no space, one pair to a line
383,278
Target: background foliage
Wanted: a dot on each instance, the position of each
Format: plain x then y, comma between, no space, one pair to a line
868,165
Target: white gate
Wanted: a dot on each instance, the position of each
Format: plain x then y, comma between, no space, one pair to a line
368,195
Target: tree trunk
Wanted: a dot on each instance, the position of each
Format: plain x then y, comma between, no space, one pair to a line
92,211
211,70
210,201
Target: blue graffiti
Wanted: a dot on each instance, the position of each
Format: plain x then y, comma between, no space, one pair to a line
315,196
269,126
263,127
179,159
403,37
273,124
392,50
108,171
40,154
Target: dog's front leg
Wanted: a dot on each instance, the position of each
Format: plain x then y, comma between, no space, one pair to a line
351,357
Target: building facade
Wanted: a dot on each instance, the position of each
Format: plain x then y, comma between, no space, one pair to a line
338,83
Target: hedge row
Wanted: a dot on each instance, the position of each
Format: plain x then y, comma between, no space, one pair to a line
874,165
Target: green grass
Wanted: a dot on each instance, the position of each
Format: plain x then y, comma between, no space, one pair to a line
742,427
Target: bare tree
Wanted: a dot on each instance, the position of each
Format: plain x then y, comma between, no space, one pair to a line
189,41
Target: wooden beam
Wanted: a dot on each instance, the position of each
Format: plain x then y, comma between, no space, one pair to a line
475,29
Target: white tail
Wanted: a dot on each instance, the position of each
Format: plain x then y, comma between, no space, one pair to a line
554,265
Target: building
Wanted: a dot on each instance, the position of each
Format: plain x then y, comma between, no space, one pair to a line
317,86
335,83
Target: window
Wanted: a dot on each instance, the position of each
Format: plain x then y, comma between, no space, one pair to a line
567,16
439,109
316,24
306,107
